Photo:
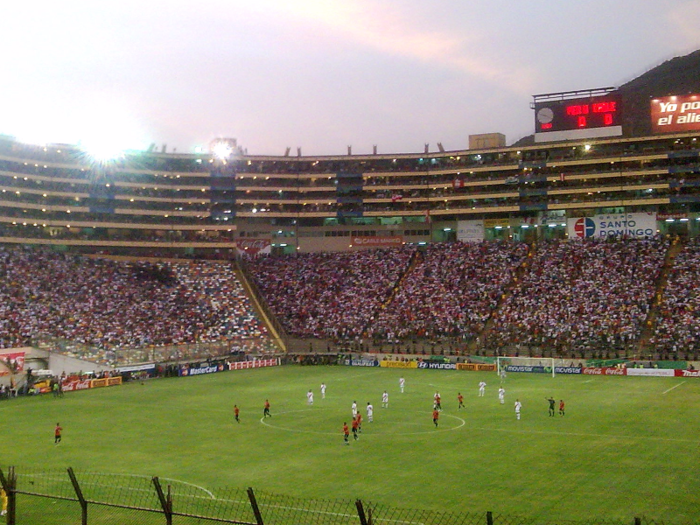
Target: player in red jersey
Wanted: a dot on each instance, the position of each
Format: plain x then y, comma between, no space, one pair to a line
460,398
561,407
359,422
57,434
236,411
436,415
266,410
346,433
354,429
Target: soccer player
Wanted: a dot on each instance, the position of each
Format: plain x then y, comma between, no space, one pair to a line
436,415
518,406
460,398
354,429
370,412
482,388
266,410
310,397
236,412
402,383
323,390
551,406
346,433
359,422
503,374
561,407
354,409
385,399
502,395
57,434
438,404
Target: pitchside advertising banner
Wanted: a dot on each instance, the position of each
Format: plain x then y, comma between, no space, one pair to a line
437,366
635,225
398,364
365,361
675,114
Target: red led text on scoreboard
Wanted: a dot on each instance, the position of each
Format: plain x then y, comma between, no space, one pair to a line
606,108
596,107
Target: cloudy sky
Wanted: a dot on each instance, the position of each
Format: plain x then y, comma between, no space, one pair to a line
316,74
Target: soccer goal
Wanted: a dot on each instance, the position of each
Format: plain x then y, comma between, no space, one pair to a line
545,365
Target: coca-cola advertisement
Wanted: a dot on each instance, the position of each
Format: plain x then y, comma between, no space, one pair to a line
14,361
253,247
604,371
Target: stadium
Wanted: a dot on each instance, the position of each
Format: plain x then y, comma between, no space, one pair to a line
550,268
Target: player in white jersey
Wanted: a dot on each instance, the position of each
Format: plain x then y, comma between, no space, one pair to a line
402,383
354,409
502,395
482,388
518,406
370,412
503,374
323,390
310,397
385,399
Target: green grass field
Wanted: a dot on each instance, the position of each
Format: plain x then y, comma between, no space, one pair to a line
626,447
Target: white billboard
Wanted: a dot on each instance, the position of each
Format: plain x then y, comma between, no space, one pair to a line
470,231
635,225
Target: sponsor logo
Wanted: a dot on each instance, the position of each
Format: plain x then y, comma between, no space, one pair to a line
398,364
584,227
529,369
437,366
377,241
567,370
473,367
614,371
364,362
691,373
593,371
258,363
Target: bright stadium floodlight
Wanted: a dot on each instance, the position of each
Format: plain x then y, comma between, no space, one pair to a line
223,148
222,151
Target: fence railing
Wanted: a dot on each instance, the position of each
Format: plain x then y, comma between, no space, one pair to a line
53,497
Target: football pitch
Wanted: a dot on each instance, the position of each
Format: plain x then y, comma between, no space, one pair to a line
626,447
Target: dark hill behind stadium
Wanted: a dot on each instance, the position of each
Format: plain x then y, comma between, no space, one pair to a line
678,76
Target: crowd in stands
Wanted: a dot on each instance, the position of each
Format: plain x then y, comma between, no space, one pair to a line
581,295
113,305
569,296
329,295
452,291
678,320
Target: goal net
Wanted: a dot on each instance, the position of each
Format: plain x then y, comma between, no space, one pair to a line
541,365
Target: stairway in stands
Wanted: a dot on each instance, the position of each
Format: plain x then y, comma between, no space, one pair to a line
517,277
648,331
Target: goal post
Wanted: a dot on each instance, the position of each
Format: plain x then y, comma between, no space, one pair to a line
546,365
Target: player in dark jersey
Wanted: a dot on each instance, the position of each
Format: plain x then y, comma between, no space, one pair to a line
551,406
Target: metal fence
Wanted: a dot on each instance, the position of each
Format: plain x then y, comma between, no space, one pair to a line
53,497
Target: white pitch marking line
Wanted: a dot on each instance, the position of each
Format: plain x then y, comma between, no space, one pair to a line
679,384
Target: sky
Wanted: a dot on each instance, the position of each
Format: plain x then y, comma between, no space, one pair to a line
321,75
